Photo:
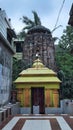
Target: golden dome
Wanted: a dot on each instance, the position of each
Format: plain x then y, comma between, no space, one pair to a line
37,64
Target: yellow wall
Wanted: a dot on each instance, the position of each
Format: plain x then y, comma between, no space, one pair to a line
27,97
51,97
20,96
56,98
46,85
24,97
51,94
47,98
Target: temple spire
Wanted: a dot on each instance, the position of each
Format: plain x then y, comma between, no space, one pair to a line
38,63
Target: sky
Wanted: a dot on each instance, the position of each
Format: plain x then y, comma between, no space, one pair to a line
47,10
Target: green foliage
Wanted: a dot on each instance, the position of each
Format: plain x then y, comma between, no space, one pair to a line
36,19
64,60
65,63
66,41
29,23
18,66
21,35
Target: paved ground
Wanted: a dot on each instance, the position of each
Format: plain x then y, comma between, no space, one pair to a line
38,122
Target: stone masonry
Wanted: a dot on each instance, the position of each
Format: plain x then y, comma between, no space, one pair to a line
39,41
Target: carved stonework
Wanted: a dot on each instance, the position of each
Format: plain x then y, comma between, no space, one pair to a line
39,40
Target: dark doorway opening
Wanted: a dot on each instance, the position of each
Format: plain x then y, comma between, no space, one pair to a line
37,100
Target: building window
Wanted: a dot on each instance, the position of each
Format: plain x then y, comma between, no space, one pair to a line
18,47
9,37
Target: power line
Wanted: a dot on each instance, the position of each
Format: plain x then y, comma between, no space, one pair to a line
59,15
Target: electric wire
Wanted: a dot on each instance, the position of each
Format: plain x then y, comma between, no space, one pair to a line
55,27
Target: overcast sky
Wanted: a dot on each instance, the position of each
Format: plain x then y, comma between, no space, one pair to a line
47,11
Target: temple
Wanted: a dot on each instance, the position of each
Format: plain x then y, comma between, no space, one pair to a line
37,88
39,40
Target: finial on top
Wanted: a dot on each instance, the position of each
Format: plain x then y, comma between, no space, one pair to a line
37,55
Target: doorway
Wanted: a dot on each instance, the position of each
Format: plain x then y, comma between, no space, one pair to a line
37,100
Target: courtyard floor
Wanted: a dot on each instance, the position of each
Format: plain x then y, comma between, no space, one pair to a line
38,122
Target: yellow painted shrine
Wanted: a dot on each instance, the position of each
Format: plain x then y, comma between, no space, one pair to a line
38,86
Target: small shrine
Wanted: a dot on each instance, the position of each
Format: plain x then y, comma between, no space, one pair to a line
38,88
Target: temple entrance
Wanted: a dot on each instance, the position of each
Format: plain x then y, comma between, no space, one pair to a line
37,100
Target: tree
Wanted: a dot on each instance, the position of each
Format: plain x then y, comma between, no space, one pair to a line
18,66
21,35
66,41
64,60
29,23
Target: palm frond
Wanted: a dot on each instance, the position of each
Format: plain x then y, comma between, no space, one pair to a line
36,18
27,21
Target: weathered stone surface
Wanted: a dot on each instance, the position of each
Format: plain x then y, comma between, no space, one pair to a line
6,52
41,43
5,73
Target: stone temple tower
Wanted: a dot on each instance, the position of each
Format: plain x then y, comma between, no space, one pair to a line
39,41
